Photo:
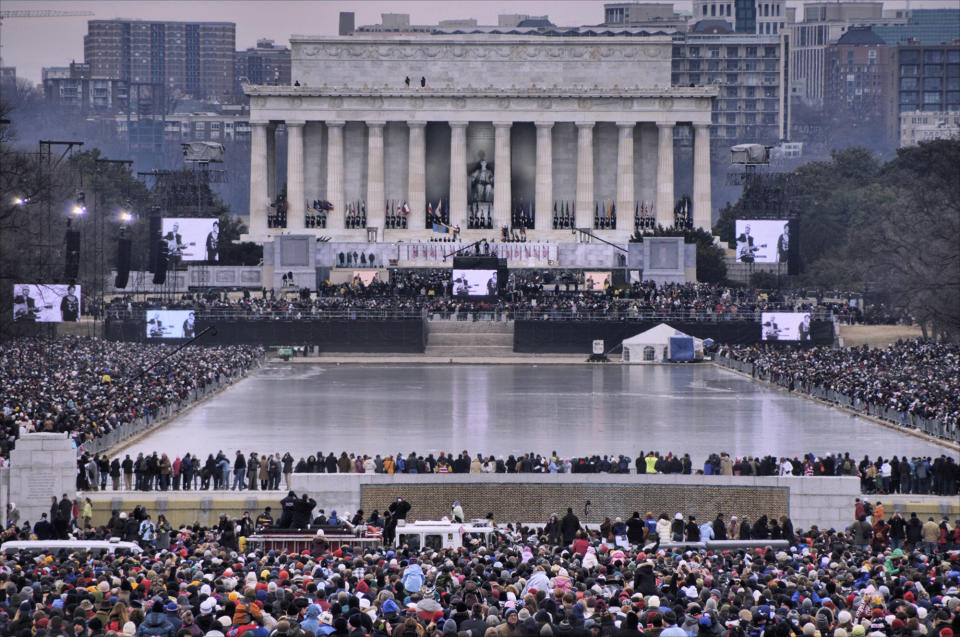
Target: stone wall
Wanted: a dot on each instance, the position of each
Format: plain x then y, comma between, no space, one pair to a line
535,502
826,502
42,465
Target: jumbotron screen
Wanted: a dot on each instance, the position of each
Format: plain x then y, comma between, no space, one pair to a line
474,282
40,303
170,324
762,240
785,326
596,281
191,239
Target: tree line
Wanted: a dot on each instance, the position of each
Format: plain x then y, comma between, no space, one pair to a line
889,229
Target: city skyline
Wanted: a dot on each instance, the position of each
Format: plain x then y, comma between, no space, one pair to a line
285,18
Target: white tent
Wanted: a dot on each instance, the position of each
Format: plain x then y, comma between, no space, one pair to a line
654,346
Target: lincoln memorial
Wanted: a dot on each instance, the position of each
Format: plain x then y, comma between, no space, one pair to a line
390,138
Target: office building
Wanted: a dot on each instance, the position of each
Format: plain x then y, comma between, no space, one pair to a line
265,64
75,88
750,72
823,23
859,82
926,126
758,17
190,58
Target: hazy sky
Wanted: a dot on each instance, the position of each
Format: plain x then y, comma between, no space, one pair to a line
33,43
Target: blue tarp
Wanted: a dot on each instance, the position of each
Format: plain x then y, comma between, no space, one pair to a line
681,349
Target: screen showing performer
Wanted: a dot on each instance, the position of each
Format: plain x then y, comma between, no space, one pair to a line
762,240
39,303
596,281
171,324
785,326
474,282
191,239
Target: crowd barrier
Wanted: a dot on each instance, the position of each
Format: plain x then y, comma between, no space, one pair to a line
935,428
130,429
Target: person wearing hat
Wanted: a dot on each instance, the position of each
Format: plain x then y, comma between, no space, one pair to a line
311,618
509,627
156,623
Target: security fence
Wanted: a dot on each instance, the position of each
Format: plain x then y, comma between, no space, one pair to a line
135,427
933,427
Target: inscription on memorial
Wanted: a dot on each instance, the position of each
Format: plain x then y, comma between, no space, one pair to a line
41,484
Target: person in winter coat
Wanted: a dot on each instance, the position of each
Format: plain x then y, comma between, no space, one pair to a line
311,620
664,528
287,507
156,624
412,578
303,512
677,527
569,526
644,580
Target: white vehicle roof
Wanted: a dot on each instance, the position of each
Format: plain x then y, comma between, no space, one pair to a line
45,546
421,526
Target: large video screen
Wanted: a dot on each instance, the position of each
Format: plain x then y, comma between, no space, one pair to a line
596,281
785,326
762,240
55,303
170,324
474,282
191,239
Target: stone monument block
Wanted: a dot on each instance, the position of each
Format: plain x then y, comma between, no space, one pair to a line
42,465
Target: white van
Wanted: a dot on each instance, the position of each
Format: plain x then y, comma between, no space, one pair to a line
443,534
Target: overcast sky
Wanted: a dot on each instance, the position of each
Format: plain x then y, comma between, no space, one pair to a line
33,43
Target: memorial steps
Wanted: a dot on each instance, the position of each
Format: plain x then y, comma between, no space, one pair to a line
474,339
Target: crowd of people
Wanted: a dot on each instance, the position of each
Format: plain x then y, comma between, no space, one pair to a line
917,377
88,387
560,580
253,471
527,294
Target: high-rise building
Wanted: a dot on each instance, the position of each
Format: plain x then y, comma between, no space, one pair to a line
859,81
823,23
759,17
928,80
751,73
195,58
265,64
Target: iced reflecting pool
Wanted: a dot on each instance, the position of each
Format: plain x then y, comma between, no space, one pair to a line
503,409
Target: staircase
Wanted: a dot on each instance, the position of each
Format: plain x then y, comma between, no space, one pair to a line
474,339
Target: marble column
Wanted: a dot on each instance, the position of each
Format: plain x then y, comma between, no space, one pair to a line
665,201
417,175
337,217
625,173
544,180
584,206
312,161
272,162
376,215
295,196
259,202
458,174
702,200
502,203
